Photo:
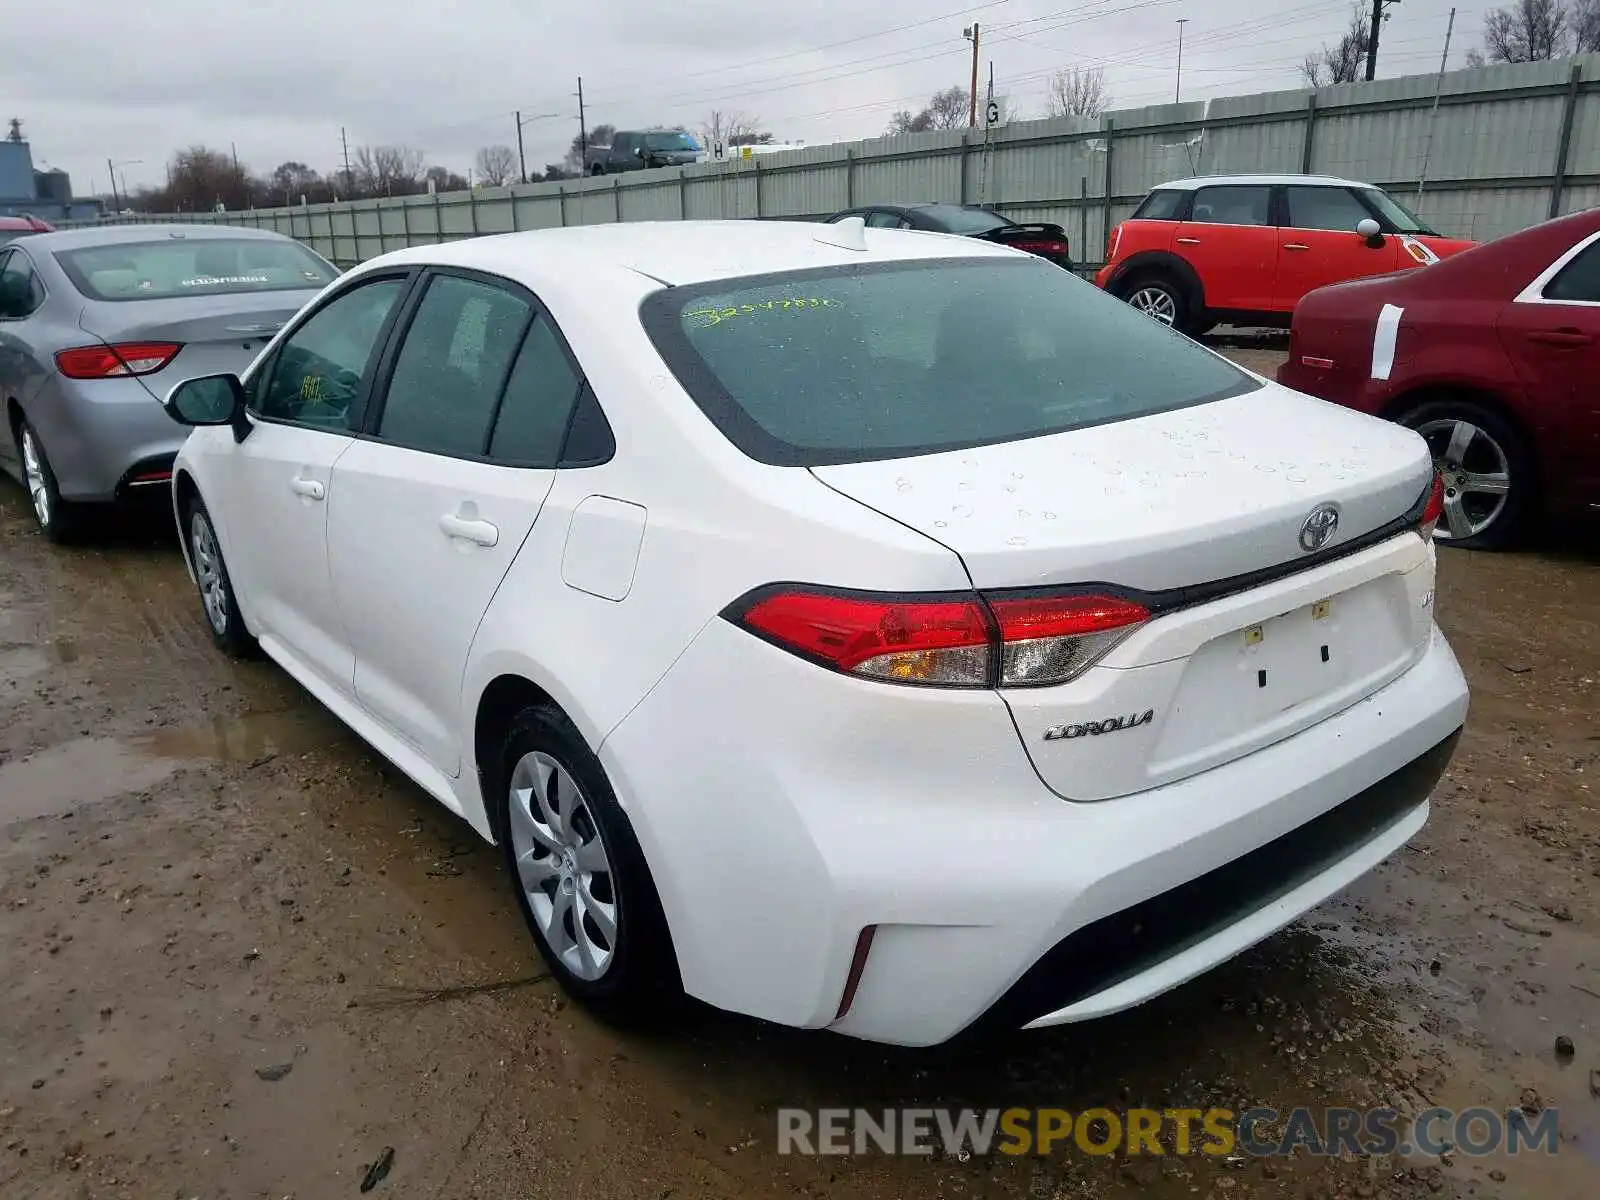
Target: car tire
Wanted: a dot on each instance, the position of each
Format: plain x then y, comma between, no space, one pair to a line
59,520
218,602
1489,476
579,875
1160,297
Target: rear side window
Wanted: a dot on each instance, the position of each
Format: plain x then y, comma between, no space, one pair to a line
892,359
1579,279
538,402
1325,208
1235,204
1161,206
193,267
452,366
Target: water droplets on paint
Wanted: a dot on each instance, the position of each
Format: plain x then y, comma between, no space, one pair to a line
961,510
1016,541
902,484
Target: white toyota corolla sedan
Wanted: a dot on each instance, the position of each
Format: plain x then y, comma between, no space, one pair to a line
862,629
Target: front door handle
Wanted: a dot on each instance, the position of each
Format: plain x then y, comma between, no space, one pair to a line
483,533
1565,339
1295,246
1188,241
311,489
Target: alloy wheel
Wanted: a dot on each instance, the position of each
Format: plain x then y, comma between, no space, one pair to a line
208,572
33,472
1476,475
563,866
1156,302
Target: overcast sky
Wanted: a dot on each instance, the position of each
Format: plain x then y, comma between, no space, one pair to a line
99,79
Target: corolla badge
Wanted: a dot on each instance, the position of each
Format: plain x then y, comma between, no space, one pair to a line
1058,733
1319,527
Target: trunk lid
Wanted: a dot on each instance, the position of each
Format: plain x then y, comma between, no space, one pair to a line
219,334
1217,494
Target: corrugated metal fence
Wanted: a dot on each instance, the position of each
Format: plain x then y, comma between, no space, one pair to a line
1504,147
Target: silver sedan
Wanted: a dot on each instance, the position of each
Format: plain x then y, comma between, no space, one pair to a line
98,325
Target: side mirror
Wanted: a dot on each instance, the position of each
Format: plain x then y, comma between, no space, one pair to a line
209,400
638,151
1371,231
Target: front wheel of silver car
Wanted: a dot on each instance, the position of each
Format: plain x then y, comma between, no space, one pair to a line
217,599
578,873
58,520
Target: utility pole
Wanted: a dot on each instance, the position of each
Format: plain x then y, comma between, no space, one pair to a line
583,134
234,146
522,161
116,206
971,34
1433,115
349,179
1378,16
1177,90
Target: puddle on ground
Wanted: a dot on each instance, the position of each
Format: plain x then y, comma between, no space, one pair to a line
23,660
89,770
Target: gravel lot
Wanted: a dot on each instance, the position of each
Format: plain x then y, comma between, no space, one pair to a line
204,879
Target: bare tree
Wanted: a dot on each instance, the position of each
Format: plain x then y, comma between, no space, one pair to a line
1585,21
1078,92
387,170
496,165
445,180
202,178
1345,60
732,128
906,121
291,180
1526,31
950,108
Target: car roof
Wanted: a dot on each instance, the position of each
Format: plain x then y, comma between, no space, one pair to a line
674,253
113,235
1189,185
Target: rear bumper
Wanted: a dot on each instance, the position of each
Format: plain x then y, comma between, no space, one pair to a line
102,434
782,820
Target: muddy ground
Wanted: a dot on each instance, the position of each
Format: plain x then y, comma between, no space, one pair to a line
204,879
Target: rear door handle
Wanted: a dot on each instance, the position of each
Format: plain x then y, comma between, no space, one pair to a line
310,488
482,533
1566,339
1188,241
1295,246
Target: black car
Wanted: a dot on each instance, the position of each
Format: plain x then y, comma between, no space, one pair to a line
1047,241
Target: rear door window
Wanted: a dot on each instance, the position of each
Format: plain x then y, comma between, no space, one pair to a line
537,406
21,293
879,219
1326,208
890,359
452,367
1579,280
1233,204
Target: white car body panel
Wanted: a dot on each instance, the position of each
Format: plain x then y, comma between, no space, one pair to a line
783,807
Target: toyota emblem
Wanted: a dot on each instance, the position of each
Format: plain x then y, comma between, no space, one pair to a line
1318,528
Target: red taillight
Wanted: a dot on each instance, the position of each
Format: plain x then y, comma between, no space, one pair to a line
124,358
1051,639
1042,247
914,641
1434,509
944,641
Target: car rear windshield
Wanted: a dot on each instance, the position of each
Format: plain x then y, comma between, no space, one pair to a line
886,360
193,267
953,218
670,141
1397,214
